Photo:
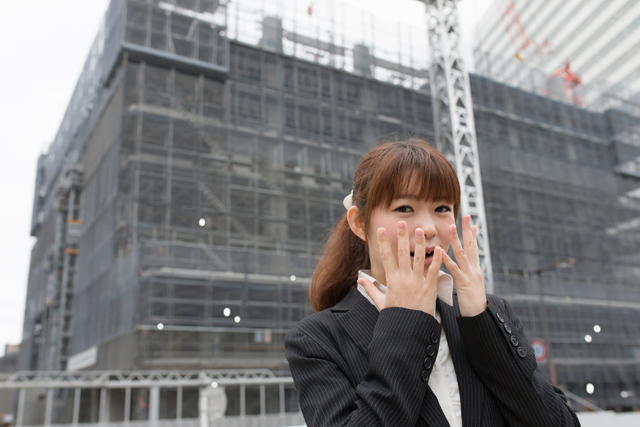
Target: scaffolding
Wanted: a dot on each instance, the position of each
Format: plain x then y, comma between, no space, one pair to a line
205,198
548,170
335,35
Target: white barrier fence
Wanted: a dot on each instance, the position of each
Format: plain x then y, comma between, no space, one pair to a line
257,398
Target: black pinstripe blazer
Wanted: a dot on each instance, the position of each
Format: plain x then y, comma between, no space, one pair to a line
355,366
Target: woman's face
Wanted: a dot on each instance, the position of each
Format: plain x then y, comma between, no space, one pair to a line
434,217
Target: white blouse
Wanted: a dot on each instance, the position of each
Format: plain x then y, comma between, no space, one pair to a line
443,381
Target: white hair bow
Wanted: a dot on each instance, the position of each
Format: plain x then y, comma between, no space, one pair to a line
348,201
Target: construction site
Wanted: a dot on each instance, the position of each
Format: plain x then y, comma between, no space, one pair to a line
181,209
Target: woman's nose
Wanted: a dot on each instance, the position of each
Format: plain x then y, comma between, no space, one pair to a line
428,225
429,231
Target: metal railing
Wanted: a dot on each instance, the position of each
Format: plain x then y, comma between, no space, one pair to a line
211,408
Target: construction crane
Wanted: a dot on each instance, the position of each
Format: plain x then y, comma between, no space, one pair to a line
453,118
528,49
518,35
572,81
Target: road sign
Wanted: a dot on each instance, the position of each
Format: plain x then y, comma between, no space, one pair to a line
539,349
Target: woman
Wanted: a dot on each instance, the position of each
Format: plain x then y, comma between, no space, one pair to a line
392,344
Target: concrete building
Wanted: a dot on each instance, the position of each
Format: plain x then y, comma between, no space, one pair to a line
180,211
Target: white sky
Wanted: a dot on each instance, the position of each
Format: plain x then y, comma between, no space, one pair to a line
45,44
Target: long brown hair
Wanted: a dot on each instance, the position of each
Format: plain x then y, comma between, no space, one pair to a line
384,172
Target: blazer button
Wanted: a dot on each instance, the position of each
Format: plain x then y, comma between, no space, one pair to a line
514,340
500,318
427,363
507,328
430,350
522,352
434,337
425,376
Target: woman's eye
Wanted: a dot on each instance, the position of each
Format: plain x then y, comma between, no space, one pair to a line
443,208
404,209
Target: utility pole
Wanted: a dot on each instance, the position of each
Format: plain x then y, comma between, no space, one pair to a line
545,330
559,264
453,117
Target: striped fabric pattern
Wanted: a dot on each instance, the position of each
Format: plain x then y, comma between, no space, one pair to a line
355,366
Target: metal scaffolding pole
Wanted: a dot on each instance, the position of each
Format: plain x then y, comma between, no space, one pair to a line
154,406
453,117
48,407
20,412
76,406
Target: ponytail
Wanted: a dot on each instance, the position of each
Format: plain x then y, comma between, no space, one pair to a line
343,255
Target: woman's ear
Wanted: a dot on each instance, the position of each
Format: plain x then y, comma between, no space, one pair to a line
353,217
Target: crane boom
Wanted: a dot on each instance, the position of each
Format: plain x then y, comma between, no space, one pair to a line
519,38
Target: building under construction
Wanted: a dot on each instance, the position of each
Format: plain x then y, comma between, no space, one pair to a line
181,208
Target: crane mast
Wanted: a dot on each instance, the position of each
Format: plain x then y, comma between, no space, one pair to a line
453,118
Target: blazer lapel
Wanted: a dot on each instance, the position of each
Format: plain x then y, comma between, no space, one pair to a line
431,411
359,318
471,388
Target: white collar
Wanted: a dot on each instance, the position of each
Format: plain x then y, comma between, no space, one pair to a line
444,284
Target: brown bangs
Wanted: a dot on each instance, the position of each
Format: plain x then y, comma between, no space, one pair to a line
410,163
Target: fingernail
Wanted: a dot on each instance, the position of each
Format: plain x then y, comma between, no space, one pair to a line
419,233
380,231
402,225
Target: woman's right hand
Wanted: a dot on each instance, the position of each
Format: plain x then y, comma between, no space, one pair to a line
407,286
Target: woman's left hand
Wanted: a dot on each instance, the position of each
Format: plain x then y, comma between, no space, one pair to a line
467,272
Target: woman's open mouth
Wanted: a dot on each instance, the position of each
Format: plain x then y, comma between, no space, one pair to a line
428,256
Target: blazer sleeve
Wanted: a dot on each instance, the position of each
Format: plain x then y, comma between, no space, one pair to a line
393,387
500,354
